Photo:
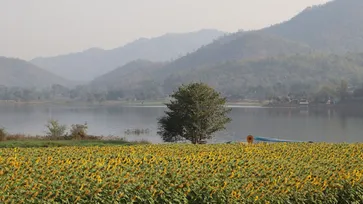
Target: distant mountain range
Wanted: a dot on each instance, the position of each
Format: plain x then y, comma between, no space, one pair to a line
315,47
239,46
16,72
87,65
321,45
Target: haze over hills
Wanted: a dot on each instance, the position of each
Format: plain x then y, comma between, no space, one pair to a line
94,62
238,46
20,73
239,78
335,27
242,77
308,50
315,48
129,74
243,45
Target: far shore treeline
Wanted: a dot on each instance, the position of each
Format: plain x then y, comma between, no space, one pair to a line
337,91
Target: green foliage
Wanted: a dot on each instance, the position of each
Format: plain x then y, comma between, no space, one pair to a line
195,113
79,131
2,134
276,75
332,92
324,94
55,129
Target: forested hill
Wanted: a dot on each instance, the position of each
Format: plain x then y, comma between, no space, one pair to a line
238,46
128,75
95,62
16,72
321,45
240,78
335,27
274,75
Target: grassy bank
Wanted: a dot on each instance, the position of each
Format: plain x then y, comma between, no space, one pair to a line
66,143
78,137
222,173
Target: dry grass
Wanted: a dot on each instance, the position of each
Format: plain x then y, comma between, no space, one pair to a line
23,137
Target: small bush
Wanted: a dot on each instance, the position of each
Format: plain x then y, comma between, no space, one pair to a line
2,134
79,131
137,131
93,137
55,130
141,142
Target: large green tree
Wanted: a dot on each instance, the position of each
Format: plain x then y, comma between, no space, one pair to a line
195,112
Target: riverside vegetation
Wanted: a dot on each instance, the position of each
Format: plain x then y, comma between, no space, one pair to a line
57,136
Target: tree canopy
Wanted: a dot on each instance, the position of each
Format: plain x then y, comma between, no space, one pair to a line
195,112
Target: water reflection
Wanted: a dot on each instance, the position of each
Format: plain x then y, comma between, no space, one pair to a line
328,125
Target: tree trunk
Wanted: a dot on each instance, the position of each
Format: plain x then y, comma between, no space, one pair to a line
194,140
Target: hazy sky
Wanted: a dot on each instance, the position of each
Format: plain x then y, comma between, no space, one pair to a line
31,28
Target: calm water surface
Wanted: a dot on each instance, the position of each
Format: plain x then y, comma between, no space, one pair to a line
293,124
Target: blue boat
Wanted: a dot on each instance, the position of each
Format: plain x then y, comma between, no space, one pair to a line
272,140
267,139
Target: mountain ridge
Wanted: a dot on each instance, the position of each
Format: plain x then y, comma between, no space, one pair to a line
318,36
336,27
89,64
20,73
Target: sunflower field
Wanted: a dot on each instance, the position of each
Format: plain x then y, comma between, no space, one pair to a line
181,173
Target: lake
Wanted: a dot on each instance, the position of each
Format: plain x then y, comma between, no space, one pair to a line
325,125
